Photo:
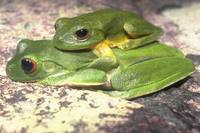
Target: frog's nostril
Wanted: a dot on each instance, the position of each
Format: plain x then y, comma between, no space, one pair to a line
61,38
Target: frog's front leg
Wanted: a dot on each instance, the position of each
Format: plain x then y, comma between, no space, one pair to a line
149,76
140,33
103,63
85,77
105,53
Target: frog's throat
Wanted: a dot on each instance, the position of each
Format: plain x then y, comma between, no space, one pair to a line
103,49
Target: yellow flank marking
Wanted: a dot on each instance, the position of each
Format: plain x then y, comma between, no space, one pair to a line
103,48
118,42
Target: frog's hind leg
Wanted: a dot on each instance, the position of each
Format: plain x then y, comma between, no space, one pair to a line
149,76
140,33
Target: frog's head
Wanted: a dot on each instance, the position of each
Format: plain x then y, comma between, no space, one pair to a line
77,33
32,62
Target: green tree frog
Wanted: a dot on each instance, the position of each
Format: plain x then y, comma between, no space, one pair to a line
138,71
103,30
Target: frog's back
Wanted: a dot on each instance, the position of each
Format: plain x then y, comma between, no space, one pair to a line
114,12
107,15
133,56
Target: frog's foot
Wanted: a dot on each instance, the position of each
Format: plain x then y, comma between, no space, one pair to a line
85,77
103,50
140,34
149,76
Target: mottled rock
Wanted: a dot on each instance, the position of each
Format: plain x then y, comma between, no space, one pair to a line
28,107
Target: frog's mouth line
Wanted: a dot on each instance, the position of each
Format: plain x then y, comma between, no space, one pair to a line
33,81
74,51
22,81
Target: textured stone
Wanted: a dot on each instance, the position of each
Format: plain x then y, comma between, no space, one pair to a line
28,107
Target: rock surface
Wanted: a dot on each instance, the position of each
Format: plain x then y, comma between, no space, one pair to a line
30,107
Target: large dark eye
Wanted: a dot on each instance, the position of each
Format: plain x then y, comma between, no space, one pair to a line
28,65
81,34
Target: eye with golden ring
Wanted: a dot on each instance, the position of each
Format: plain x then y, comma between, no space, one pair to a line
28,65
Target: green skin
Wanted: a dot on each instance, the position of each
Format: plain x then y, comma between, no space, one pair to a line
107,24
138,71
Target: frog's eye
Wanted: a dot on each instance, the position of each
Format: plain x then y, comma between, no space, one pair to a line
28,65
82,34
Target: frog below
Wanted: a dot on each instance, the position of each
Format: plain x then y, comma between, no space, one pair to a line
138,71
